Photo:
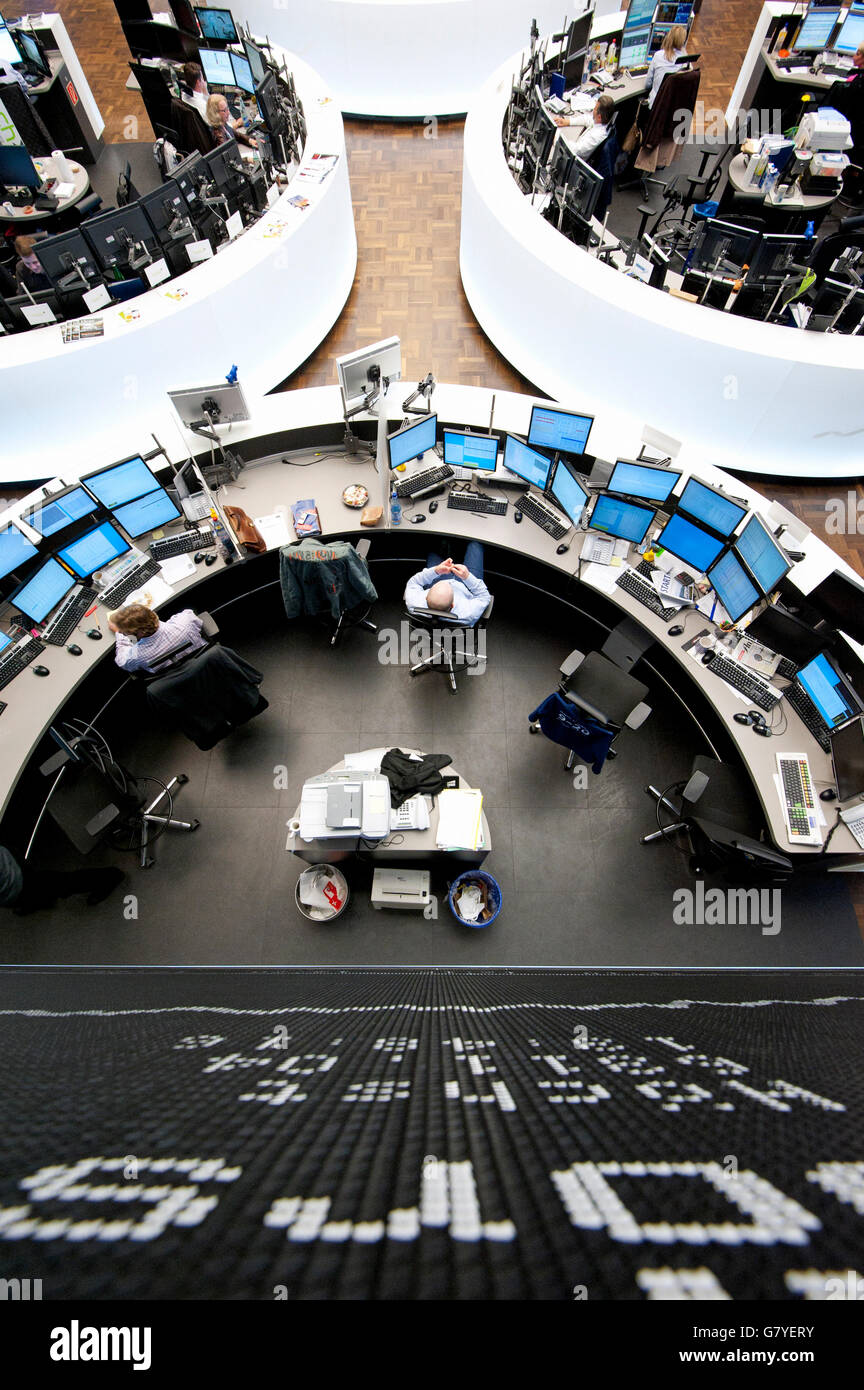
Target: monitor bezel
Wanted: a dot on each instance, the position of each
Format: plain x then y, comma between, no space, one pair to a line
49,560
471,434
215,9
722,496
854,699
675,474
604,531
697,526
833,733
406,429
55,497
99,472
541,487
168,521
754,516
729,553
577,478
59,555
557,410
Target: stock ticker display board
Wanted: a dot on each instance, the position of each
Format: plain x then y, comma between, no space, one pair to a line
432,1134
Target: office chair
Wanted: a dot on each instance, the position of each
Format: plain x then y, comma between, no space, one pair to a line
604,159
88,206
594,701
718,811
179,654
126,191
315,582
358,615
453,646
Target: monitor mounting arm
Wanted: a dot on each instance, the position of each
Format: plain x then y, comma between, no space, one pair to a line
424,390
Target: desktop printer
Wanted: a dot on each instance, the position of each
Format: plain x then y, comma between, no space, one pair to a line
341,805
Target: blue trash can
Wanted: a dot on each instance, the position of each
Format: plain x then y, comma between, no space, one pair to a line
494,892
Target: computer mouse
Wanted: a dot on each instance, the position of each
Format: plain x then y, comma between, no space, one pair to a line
210,559
829,794
94,633
742,719
41,671
562,550
517,517
707,657
415,520
675,631
755,717
74,649
433,506
762,730
198,557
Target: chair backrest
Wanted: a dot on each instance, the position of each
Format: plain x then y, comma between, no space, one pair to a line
178,656
194,133
428,618
565,724
677,94
603,160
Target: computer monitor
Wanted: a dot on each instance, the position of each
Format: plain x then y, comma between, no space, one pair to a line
146,513
724,247
580,32
835,700
765,561
778,255
225,165
542,136
478,451
184,16
67,257
712,507
269,104
121,482
164,208
216,25
625,520
526,463
567,491
816,29
15,549
187,175
649,481
362,371
243,76
559,430
635,44
639,12
17,169
14,311
8,52
94,550
412,441
257,61
60,510
32,52
847,754
840,599
224,404
786,634
41,593
690,543
851,33
583,189
114,236
216,66
733,586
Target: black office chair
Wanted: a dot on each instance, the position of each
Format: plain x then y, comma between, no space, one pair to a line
453,644
88,206
126,191
604,159
611,698
718,811
179,654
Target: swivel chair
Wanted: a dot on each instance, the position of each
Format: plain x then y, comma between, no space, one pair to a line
452,643
609,697
357,616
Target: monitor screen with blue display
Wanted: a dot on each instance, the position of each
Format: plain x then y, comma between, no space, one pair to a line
216,25
15,550
255,58
242,73
851,34
146,513
690,543
559,430
710,507
216,64
829,692
531,467
471,450
639,12
567,492
634,47
17,169
60,511
413,441
94,550
816,30
8,52
43,591
622,519
762,555
733,586
644,480
5,641
122,482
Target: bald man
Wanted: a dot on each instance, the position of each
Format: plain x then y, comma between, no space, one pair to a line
457,591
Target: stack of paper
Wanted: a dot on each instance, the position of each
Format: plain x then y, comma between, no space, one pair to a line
460,818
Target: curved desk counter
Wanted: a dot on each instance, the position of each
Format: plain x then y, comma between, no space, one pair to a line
750,396
313,417
265,302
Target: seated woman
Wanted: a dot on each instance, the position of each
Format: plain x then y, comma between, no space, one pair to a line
141,637
223,126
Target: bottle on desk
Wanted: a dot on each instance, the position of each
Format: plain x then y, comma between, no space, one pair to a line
395,509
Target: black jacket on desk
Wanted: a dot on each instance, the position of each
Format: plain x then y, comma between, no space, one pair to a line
321,578
209,696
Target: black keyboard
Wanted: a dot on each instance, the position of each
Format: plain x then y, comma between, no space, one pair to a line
542,517
182,544
16,661
787,669
424,481
60,629
809,715
476,502
117,594
736,675
644,593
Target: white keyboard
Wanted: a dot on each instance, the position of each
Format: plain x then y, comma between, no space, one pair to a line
798,799
854,819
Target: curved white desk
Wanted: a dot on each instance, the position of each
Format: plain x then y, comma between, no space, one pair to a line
265,302
749,396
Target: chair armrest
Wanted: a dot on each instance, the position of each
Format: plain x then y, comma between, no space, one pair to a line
572,662
362,547
487,611
636,718
209,627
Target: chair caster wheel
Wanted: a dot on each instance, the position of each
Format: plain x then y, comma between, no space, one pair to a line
611,754
194,824
148,863
182,779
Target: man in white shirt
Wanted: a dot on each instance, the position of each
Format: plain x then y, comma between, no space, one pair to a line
457,591
193,89
593,137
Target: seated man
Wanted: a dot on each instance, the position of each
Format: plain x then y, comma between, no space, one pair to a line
455,590
141,637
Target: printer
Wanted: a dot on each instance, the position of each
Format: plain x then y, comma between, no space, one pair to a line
345,804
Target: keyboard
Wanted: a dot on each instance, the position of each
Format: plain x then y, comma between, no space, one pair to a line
798,799
543,517
424,481
16,661
644,593
853,818
116,594
787,669
734,673
809,715
77,605
476,502
182,544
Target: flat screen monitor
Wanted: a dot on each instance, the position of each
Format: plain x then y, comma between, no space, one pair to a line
361,371
60,510
8,52
216,66
625,520
226,167
778,255
121,482
94,550
579,33
224,404
733,586
567,492
413,441
762,555
63,255
32,52
15,549
583,189
256,60
526,463
840,599
851,33
146,513
478,451
243,77
690,543
5,642
639,12
43,591
114,235
164,208
216,25
634,47
847,753
559,430
816,29
184,16
724,247
711,507
648,481
833,698
786,634
269,105
16,167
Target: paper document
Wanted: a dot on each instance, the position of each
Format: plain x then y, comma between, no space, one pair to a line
670,589
177,567
367,761
151,593
274,530
460,818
